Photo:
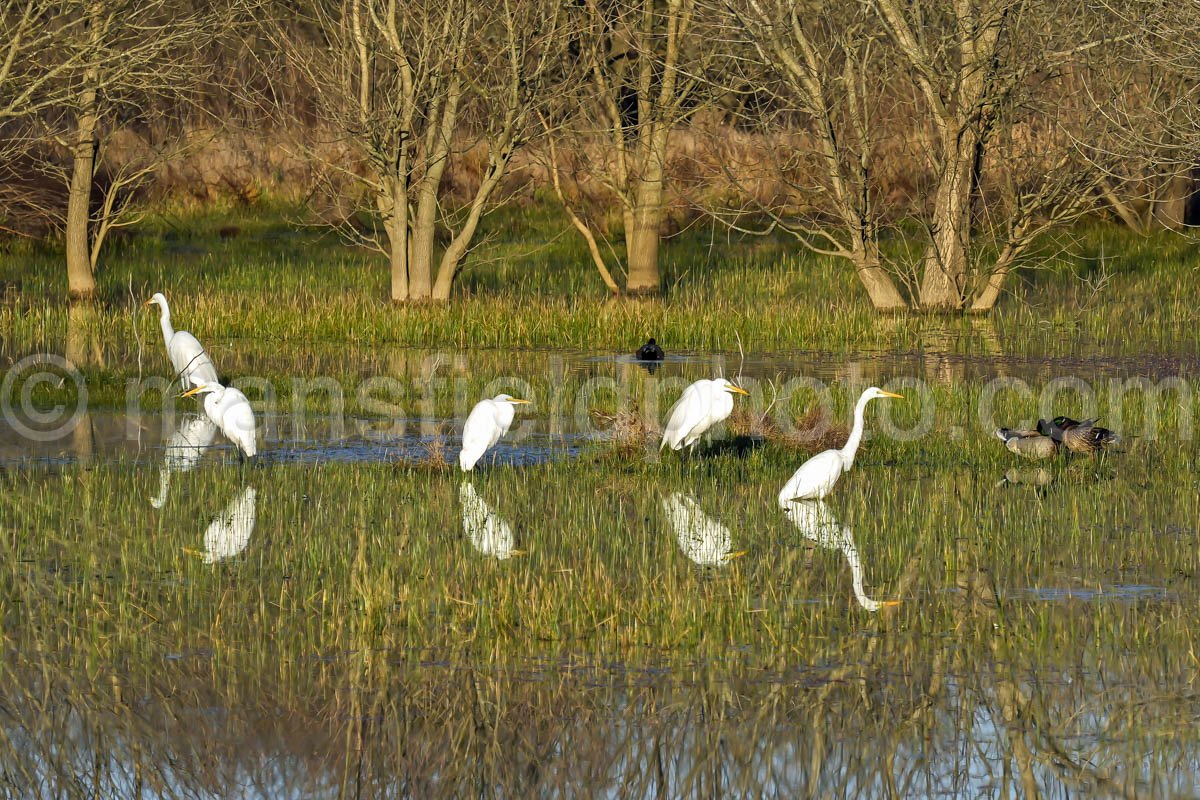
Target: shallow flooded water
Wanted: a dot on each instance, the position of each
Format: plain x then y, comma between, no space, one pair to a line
349,617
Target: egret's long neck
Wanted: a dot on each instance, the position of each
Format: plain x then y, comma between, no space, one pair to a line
164,322
212,401
856,432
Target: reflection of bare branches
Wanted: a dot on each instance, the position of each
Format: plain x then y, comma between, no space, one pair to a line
1022,714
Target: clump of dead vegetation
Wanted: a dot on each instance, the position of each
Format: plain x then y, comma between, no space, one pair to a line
436,458
629,430
810,433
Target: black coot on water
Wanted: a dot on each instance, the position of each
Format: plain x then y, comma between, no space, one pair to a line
650,351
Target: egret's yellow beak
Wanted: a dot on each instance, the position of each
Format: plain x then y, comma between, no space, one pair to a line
192,391
890,603
519,402
737,390
732,556
148,303
892,394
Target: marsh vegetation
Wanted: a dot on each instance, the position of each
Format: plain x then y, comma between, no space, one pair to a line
352,617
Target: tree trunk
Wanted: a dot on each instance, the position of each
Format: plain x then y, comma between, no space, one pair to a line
1126,211
397,231
644,239
879,285
946,257
424,237
81,282
642,242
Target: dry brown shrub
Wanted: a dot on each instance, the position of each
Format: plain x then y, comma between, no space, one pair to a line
437,456
809,433
628,430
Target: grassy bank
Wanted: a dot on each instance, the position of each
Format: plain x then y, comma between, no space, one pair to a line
529,283
363,629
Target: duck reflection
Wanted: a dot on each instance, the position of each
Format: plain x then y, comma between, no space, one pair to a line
817,524
487,532
183,450
701,538
1016,476
229,533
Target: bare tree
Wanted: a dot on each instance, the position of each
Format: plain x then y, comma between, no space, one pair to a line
132,56
648,69
35,60
73,72
965,94
1145,98
414,88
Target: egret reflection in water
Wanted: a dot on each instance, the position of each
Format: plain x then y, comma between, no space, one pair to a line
486,531
229,533
701,538
817,524
183,451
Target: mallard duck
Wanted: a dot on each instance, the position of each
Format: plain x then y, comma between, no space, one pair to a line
1078,437
650,351
1029,444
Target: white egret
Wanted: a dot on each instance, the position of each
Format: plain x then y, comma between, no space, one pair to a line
818,525
488,533
816,477
183,452
192,365
229,533
701,406
229,409
701,538
488,421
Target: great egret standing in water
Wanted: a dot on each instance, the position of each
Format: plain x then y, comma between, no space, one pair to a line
230,410
192,365
488,421
701,406
816,477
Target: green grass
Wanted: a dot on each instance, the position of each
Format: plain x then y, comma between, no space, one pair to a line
529,283
360,636
280,301
359,597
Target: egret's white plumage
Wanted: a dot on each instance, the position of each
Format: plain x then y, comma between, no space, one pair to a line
701,538
817,524
488,421
229,409
183,451
817,476
701,406
229,533
191,363
488,533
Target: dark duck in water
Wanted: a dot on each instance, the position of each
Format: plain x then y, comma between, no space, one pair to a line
1078,437
650,351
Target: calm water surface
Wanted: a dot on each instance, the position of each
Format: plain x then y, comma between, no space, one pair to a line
346,619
